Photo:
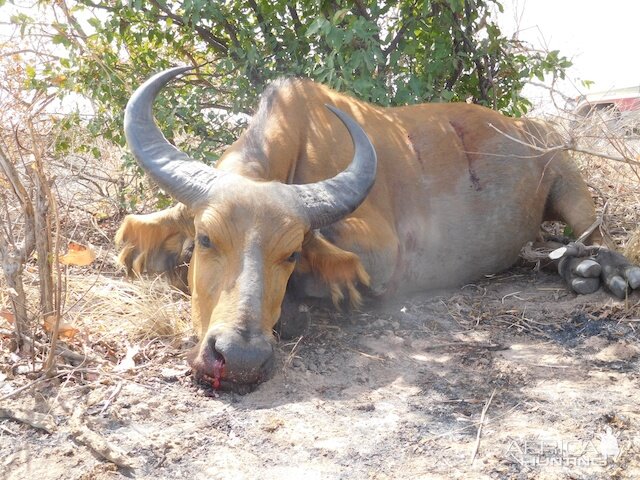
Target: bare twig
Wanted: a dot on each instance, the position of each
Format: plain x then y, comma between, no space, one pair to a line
23,388
66,353
112,397
480,424
96,442
13,254
47,242
293,352
566,147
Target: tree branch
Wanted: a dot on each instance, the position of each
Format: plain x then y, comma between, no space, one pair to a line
216,43
20,192
362,9
566,147
294,16
261,22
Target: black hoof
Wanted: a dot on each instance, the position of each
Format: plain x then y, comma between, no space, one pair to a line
617,285
585,274
585,286
633,276
588,269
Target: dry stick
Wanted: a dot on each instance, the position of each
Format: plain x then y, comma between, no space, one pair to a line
64,352
29,417
565,147
49,364
11,255
112,397
458,430
97,442
484,412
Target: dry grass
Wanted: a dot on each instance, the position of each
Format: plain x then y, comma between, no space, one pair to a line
113,305
632,248
108,316
615,184
617,195
136,310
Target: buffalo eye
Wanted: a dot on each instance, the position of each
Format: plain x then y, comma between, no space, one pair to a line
294,257
204,241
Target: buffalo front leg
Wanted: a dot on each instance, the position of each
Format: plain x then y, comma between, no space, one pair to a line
294,318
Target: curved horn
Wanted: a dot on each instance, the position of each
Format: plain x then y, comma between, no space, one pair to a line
185,179
330,200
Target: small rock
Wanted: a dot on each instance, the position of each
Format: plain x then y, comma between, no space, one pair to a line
366,407
172,374
272,424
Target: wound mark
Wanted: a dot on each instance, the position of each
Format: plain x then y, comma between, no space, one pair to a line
415,149
473,176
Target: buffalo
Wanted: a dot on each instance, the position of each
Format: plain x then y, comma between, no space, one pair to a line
306,204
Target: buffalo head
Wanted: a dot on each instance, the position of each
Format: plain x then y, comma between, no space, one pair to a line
248,237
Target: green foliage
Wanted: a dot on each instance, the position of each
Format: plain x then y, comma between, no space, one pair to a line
568,232
390,53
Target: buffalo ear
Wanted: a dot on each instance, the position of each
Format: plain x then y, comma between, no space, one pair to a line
339,269
160,242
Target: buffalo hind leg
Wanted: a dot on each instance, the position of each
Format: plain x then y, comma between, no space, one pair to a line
584,274
585,269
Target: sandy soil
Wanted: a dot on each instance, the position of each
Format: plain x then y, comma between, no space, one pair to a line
397,391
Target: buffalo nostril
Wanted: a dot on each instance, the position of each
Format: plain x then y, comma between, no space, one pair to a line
218,366
215,365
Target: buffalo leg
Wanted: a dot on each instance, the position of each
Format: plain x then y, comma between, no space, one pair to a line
294,318
583,269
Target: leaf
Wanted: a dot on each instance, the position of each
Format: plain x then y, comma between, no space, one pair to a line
316,25
65,330
30,70
60,39
95,23
128,362
568,232
339,15
78,255
8,316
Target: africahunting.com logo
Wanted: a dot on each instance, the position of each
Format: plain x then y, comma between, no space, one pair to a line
601,450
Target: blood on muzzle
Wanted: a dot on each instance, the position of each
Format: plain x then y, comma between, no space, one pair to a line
233,360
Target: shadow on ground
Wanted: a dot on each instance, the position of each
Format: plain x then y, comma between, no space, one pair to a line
397,391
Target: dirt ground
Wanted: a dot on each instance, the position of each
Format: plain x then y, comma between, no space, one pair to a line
537,382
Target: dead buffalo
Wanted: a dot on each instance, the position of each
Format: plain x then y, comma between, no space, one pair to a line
299,206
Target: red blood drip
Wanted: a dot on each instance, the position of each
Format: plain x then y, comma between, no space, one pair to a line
218,372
